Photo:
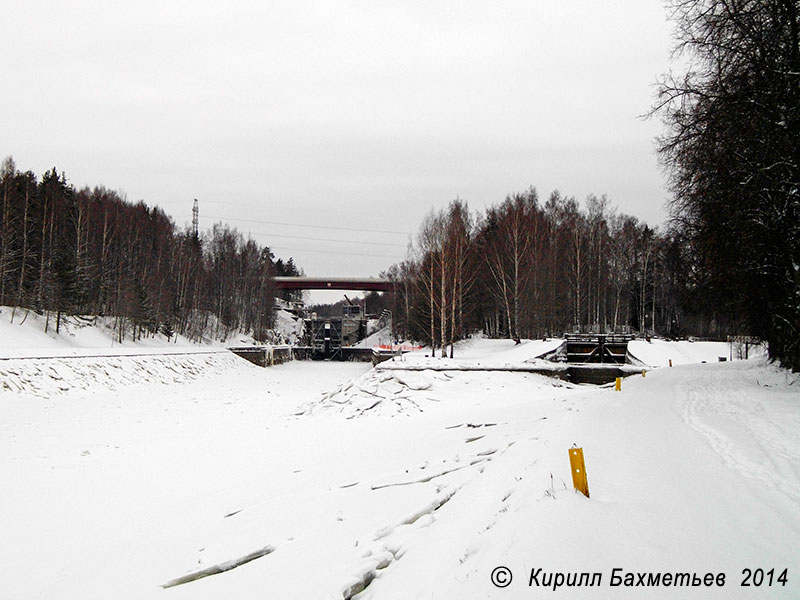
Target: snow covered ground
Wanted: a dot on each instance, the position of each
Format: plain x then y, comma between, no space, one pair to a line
322,478
25,336
658,353
477,353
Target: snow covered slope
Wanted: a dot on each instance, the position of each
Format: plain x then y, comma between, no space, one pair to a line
94,373
288,326
85,357
78,336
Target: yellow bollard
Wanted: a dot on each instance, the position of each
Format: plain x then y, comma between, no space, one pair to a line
578,469
618,384
644,372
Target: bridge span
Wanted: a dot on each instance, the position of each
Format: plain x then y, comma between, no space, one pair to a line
363,284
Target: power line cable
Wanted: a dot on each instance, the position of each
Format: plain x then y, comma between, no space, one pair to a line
298,237
287,248
311,226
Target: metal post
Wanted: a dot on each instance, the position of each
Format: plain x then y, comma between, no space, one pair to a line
578,469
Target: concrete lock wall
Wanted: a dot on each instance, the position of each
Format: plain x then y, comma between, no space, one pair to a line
264,356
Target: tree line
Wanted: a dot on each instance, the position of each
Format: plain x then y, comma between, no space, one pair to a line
729,261
91,252
526,268
733,150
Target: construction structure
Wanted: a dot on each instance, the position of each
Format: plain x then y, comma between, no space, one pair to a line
335,338
595,358
195,220
601,348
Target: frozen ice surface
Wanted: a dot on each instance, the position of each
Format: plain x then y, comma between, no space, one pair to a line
390,484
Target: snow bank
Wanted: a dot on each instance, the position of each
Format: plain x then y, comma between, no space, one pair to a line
48,377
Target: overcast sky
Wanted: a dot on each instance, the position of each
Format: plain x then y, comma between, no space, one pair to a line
361,114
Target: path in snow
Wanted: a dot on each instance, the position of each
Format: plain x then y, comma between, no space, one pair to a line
754,434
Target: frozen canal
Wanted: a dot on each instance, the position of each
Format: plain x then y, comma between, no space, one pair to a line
324,478
128,490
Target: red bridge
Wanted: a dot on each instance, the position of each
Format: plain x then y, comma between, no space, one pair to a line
364,284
